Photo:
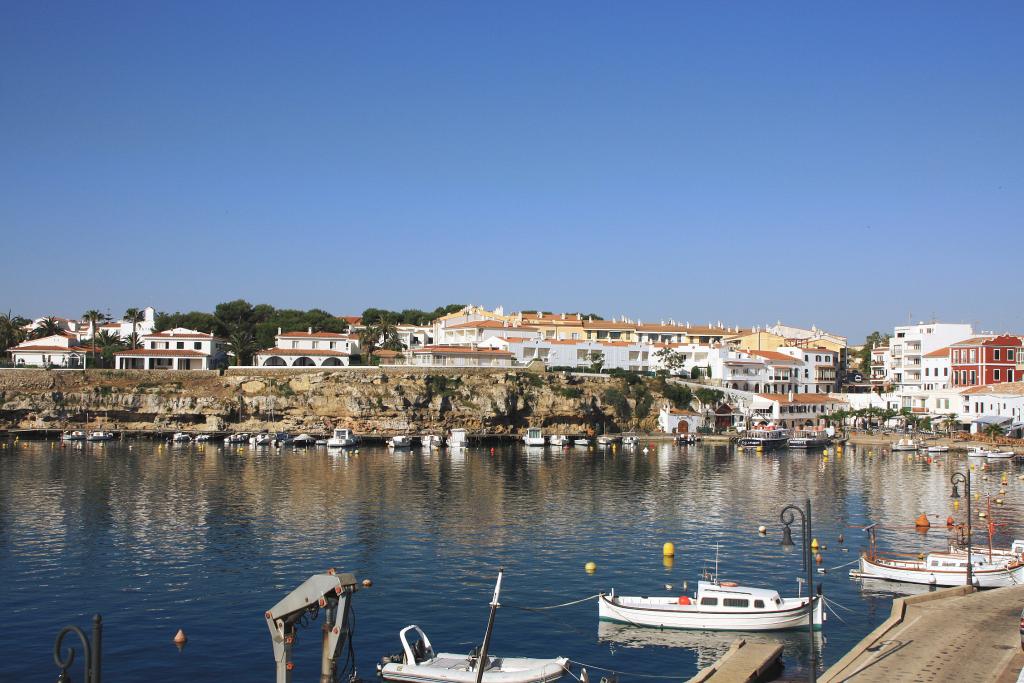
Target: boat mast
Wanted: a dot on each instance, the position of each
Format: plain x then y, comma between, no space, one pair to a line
481,662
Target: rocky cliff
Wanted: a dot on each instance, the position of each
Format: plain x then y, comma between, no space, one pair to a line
369,400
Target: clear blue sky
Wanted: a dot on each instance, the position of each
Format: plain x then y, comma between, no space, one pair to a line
844,164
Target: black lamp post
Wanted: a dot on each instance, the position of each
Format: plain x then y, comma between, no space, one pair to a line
957,478
93,650
788,516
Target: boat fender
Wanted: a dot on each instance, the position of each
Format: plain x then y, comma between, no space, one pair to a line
728,584
684,600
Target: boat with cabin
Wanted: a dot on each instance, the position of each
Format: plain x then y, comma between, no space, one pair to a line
766,437
458,438
559,440
943,568
431,441
608,440
630,440
534,437
237,437
343,438
304,441
261,439
906,445
203,438
810,437
100,436
938,449
181,437
399,441
76,435
581,441
717,606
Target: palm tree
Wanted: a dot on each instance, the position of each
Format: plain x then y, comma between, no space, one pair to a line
47,328
388,329
241,346
94,317
994,431
134,316
950,422
11,333
108,342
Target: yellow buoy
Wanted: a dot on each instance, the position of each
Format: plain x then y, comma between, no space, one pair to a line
667,562
956,504
982,514
824,458
814,544
759,449
999,501
668,549
590,567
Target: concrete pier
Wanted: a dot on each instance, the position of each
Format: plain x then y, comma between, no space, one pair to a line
956,634
743,663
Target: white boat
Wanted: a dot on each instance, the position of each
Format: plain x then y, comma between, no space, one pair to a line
534,437
77,435
203,438
240,437
943,569
938,449
810,437
399,441
559,440
1000,455
431,441
717,605
181,437
419,664
581,441
343,438
630,440
905,445
458,438
607,440
980,452
100,436
765,437
261,439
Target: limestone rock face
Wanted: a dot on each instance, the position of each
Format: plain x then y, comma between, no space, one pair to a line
368,400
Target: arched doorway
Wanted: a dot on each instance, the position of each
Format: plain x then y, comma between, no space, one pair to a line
275,362
331,362
304,362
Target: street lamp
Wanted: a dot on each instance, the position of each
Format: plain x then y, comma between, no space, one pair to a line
788,516
957,478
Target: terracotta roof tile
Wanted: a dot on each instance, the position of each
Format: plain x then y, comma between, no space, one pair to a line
301,352
162,353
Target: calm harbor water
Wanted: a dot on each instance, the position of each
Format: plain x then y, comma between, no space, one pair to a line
207,538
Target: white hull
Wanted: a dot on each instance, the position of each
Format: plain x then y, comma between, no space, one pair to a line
399,442
100,436
582,442
537,441
181,437
453,668
938,449
916,571
559,440
668,613
73,436
431,441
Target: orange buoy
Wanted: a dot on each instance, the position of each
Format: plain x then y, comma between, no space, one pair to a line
818,558
180,638
922,521
683,600
950,521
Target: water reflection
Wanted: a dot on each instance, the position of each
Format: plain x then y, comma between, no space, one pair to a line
207,537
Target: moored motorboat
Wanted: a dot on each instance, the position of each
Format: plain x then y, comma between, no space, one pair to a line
100,436
76,435
458,438
534,437
261,439
399,441
202,438
419,664
765,437
559,440
303,441
238,437
905,445
343,438
723,606
938,449
581,441
810,437
431,441
608,440
181,437
283,439
630,440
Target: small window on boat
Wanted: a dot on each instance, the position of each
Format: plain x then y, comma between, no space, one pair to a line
709,601
735,602
759,604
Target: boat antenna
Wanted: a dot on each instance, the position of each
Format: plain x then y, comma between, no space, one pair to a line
481,662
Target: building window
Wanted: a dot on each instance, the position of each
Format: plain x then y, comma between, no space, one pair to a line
1009,354
181,345
974,377
996,356
973,355
945,372
995,374
197,346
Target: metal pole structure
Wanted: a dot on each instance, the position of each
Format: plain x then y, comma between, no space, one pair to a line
788,517
966,479
92,650
481,662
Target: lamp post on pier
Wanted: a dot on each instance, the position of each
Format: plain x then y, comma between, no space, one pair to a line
960,477
788,516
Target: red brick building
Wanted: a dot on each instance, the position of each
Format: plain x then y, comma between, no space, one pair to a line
984,360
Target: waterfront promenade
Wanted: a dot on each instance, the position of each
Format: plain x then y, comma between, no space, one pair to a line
948,635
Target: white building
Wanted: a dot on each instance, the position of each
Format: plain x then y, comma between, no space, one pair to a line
818,374
58,350
459,357
477,331
309,349
793,410
910,343
582,354
177,349
1001,404
935,369
679,421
